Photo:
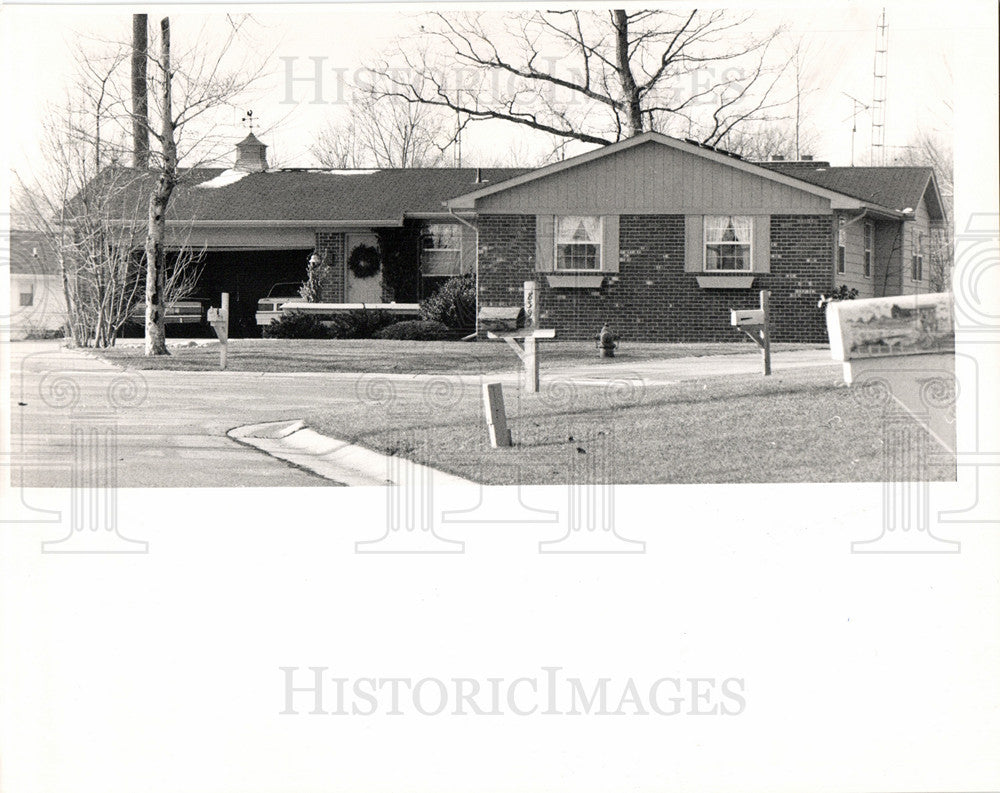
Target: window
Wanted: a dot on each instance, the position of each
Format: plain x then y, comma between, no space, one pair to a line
28,298
869,245
578,242
441,249
841,247
917,257
727,242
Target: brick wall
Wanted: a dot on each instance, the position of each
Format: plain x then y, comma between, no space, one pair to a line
651,298
330,247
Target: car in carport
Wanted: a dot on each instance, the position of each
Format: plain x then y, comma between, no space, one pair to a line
269,307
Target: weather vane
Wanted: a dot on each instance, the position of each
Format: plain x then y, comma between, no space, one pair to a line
248,119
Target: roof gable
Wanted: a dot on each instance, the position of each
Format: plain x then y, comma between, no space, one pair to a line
731,162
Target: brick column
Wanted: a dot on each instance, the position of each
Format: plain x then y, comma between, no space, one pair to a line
330,247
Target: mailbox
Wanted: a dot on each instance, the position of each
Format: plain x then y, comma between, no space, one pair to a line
500,319
215,316
747,316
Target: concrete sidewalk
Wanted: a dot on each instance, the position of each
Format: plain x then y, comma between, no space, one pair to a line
674,370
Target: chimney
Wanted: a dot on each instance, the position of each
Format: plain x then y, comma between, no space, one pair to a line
251,155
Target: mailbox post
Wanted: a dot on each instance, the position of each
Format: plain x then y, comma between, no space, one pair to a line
755,324
218,318
510,324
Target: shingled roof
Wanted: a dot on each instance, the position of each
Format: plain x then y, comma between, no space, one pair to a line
326,196
895,187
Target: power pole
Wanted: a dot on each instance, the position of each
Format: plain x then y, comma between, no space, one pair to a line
140,97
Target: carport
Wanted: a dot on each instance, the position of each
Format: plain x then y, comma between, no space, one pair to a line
248,275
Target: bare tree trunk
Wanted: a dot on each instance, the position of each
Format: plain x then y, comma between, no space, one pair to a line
630,90
140,97
156,343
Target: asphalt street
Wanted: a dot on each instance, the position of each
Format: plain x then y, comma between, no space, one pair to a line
168,429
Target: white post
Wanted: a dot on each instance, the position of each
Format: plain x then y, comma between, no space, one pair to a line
496,417
223,332
530,305
765,331
531,376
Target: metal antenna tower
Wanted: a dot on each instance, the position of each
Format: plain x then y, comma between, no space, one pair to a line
879,71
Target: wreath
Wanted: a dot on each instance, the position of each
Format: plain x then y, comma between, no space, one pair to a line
364,261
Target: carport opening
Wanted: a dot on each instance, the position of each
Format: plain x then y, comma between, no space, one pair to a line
248,276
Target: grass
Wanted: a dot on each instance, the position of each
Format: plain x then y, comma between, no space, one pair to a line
801,426
404,357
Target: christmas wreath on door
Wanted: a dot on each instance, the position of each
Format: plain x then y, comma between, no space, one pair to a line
364,261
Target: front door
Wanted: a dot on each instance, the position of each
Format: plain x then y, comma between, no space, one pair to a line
362,249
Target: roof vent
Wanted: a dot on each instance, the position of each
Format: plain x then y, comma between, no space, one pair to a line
251,155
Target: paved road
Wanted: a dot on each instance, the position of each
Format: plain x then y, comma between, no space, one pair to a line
170,428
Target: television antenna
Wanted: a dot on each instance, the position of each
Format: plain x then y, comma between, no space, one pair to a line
859,106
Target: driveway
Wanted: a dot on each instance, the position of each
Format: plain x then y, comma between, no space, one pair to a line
168,429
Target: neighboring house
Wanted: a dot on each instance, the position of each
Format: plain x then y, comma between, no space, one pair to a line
37,301
655,236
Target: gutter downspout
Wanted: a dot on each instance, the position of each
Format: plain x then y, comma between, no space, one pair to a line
451,212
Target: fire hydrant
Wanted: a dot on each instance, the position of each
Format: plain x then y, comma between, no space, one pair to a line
606,342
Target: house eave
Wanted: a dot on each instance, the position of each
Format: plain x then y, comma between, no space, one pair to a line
837,200
289,224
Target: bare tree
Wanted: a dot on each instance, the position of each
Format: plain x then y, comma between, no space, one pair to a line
593,77
186,90
92,224
383,132
106,223
762,141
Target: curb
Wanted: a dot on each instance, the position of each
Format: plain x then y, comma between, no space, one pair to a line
338,461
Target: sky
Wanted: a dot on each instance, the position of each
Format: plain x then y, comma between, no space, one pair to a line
37,43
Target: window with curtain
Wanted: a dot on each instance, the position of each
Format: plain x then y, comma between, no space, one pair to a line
441,249
841,247
917,257
727,242
578,242
869,245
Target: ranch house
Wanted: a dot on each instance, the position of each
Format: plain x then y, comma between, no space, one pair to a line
657,237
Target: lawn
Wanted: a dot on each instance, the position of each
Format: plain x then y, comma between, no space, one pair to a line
403,357
803,425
